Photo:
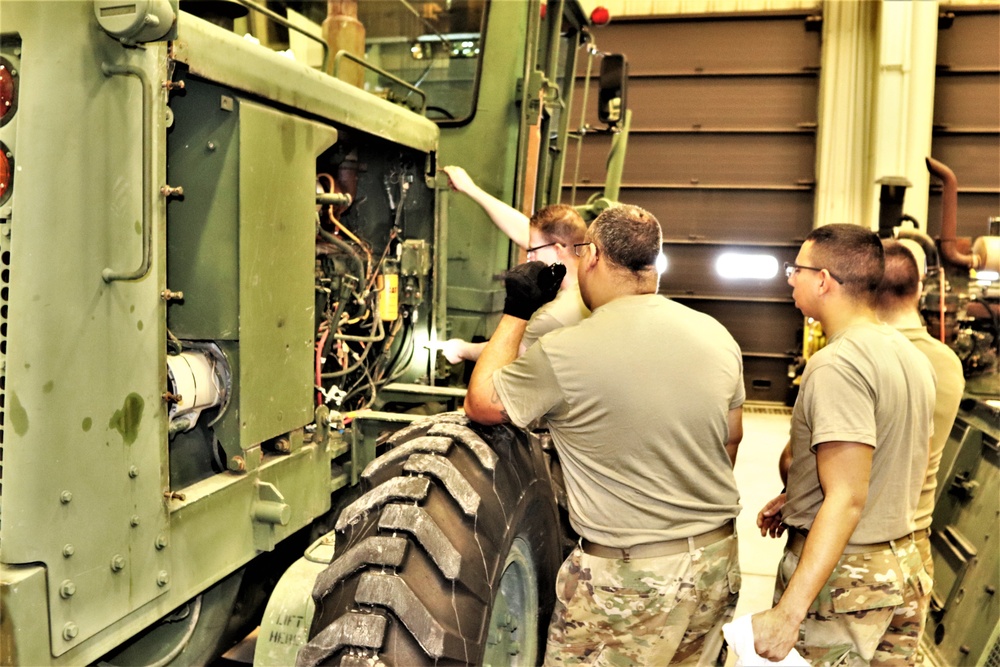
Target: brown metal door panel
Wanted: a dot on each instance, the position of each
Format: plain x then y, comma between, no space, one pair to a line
973,40
710,214
691,271
723,152
967,117
766,379
706,158
973,210
967,101
738,44
975,158
785,103
743,320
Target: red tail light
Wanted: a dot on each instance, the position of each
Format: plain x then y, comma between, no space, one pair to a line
6,172
8,91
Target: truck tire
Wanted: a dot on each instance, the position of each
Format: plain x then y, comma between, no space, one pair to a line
448,557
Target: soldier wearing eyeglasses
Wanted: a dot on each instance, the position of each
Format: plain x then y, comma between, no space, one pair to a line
548,236
643,400
851,578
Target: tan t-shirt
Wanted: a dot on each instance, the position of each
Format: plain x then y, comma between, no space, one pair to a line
637,398
868,385
564,310
950,386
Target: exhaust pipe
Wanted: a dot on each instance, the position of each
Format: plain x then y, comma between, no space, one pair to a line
949,217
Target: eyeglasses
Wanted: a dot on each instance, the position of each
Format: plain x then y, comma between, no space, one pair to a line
539,247
578,248
792,267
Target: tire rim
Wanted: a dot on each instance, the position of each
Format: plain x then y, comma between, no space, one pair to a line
513,626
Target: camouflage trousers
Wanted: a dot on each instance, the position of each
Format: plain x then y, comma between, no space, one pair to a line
646,611
924,549
869,611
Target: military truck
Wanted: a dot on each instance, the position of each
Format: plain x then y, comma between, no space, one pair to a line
226,274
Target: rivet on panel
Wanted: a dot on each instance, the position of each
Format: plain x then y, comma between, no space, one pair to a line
68,550
162,579
161,542
237,464
70,631
133,472
117,563
67,589
65,497
134,521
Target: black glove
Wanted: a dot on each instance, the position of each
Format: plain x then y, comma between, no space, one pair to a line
530,286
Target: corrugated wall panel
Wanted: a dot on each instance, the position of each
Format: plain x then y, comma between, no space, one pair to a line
723,152
967,117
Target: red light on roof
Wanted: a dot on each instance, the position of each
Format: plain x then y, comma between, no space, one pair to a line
545,10
600,16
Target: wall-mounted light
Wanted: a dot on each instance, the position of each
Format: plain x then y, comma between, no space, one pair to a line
661,263
745,266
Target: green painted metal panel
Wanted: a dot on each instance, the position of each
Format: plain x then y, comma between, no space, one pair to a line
85,359
24,604
202,239
277,249
477,250
223,56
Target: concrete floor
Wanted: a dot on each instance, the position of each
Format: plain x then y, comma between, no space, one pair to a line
765,432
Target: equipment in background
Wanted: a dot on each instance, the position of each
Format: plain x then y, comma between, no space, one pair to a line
960,303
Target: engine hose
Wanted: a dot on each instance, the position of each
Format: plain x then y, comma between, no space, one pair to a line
941,304
359,264
371,338
925,242
350,369
185,640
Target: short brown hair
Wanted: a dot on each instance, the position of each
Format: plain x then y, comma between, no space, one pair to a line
901,279
559,223
629,236
852,253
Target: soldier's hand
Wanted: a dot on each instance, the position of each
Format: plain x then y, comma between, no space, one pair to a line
769,519
774,634
458,179
530,286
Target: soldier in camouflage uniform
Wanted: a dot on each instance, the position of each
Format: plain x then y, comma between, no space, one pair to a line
644,404
851,580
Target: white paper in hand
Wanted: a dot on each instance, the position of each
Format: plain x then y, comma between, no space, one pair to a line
739,635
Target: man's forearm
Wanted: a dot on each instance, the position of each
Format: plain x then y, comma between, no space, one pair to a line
831,530
511,222
482,403
844,469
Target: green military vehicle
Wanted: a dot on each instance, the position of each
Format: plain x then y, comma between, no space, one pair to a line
226,276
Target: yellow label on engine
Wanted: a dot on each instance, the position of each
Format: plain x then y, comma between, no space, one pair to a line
388,298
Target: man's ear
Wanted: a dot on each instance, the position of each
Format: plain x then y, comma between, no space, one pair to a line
826,282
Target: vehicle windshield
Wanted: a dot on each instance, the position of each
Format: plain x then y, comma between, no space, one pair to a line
434,46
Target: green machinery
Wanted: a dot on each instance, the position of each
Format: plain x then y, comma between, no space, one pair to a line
224,276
